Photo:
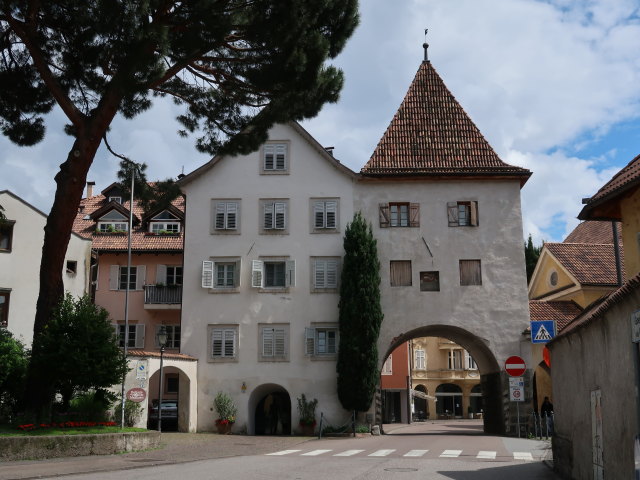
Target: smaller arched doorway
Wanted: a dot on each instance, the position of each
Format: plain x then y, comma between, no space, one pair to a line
420,403
270,409
448,400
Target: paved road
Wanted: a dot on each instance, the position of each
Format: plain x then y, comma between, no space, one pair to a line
433,450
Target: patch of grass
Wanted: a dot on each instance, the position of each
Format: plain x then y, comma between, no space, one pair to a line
6,431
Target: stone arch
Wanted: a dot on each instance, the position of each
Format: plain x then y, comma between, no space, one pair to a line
269,410
486,361
178,390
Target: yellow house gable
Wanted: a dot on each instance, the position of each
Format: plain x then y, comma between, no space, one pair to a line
630,213
549,276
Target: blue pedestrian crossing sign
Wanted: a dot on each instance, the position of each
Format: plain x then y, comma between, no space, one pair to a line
542,331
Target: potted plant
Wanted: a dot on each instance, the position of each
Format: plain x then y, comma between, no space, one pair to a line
227,412
307,412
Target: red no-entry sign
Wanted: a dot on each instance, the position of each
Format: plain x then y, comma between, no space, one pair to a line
515,366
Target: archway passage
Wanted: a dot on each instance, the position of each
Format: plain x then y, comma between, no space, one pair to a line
175,400
271,410
470,367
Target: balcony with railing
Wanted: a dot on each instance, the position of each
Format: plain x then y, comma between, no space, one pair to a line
163,297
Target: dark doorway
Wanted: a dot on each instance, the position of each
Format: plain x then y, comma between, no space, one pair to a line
420,405
475,399
273,414
391,407
449,400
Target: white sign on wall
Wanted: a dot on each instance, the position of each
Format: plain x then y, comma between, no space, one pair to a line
516,389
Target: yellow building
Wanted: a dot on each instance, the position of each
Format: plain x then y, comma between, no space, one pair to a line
444,379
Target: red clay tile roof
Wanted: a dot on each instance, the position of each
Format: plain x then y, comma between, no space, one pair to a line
431,134
156,354
622,181
141,239
590,264
562,311
594,231
600,308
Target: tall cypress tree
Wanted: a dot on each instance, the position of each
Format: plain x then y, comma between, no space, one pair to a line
531,255
235,67
360,317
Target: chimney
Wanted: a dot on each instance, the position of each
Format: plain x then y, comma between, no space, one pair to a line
329,150
90,189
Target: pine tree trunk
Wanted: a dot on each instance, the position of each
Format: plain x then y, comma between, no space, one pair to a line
70,181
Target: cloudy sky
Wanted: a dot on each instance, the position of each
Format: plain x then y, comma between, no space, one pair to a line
553,85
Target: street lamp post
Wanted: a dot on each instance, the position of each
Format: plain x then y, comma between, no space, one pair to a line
162,341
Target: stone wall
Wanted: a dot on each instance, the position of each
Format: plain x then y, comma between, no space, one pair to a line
36,448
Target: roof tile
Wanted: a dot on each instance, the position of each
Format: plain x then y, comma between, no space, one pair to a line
594,231
590,264
431,134
562,311
621,181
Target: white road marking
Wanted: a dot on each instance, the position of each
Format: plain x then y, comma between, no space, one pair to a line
313,453
486,455
451,453
381,453
415,453
523,456
284,452
348,453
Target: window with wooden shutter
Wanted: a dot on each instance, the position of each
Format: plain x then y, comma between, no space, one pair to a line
226,215
470,272
325,214
462,214
274,216
387,366
309,341
325,273
257,273
399,214
161,274
400,273
274,339
207,274
141,277
223,342
414,215
383,213
139,335
275,158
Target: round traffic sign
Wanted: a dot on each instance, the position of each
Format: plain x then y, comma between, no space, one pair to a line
515,366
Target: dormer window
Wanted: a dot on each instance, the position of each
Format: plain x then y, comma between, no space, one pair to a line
115,199
164,222
113,222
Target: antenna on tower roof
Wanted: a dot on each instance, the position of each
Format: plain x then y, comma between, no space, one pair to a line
425,45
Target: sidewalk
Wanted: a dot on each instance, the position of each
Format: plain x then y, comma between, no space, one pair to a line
176,448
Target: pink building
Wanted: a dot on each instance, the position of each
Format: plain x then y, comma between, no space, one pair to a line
155,290
395,384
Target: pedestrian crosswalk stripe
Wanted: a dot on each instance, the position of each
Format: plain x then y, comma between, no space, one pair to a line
486,455
451,453
348,453
522,456
313,453
284,452
381,453
415,453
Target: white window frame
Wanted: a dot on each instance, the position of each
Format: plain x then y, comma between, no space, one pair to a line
420,362
317,342
223,343
325,274
324,215
172,341
169,226
273,342
258,273
103,227
454,360
225,216
273,165
274,218
469,362
115,199
135,341
210,270
387,366
116,272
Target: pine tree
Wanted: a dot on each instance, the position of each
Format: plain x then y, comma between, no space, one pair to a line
360,317
531,255
235,67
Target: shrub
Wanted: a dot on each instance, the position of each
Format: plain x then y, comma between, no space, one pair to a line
14,359
225,407
92,406
132,412
307,410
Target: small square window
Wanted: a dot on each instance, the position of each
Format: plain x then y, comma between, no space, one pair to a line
223,343
400,273
275,157
274,216
429,281
221,274
226,216
273,274
325,274
72,267
321,341
462,214
274,340
173,383
470,272
324,214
